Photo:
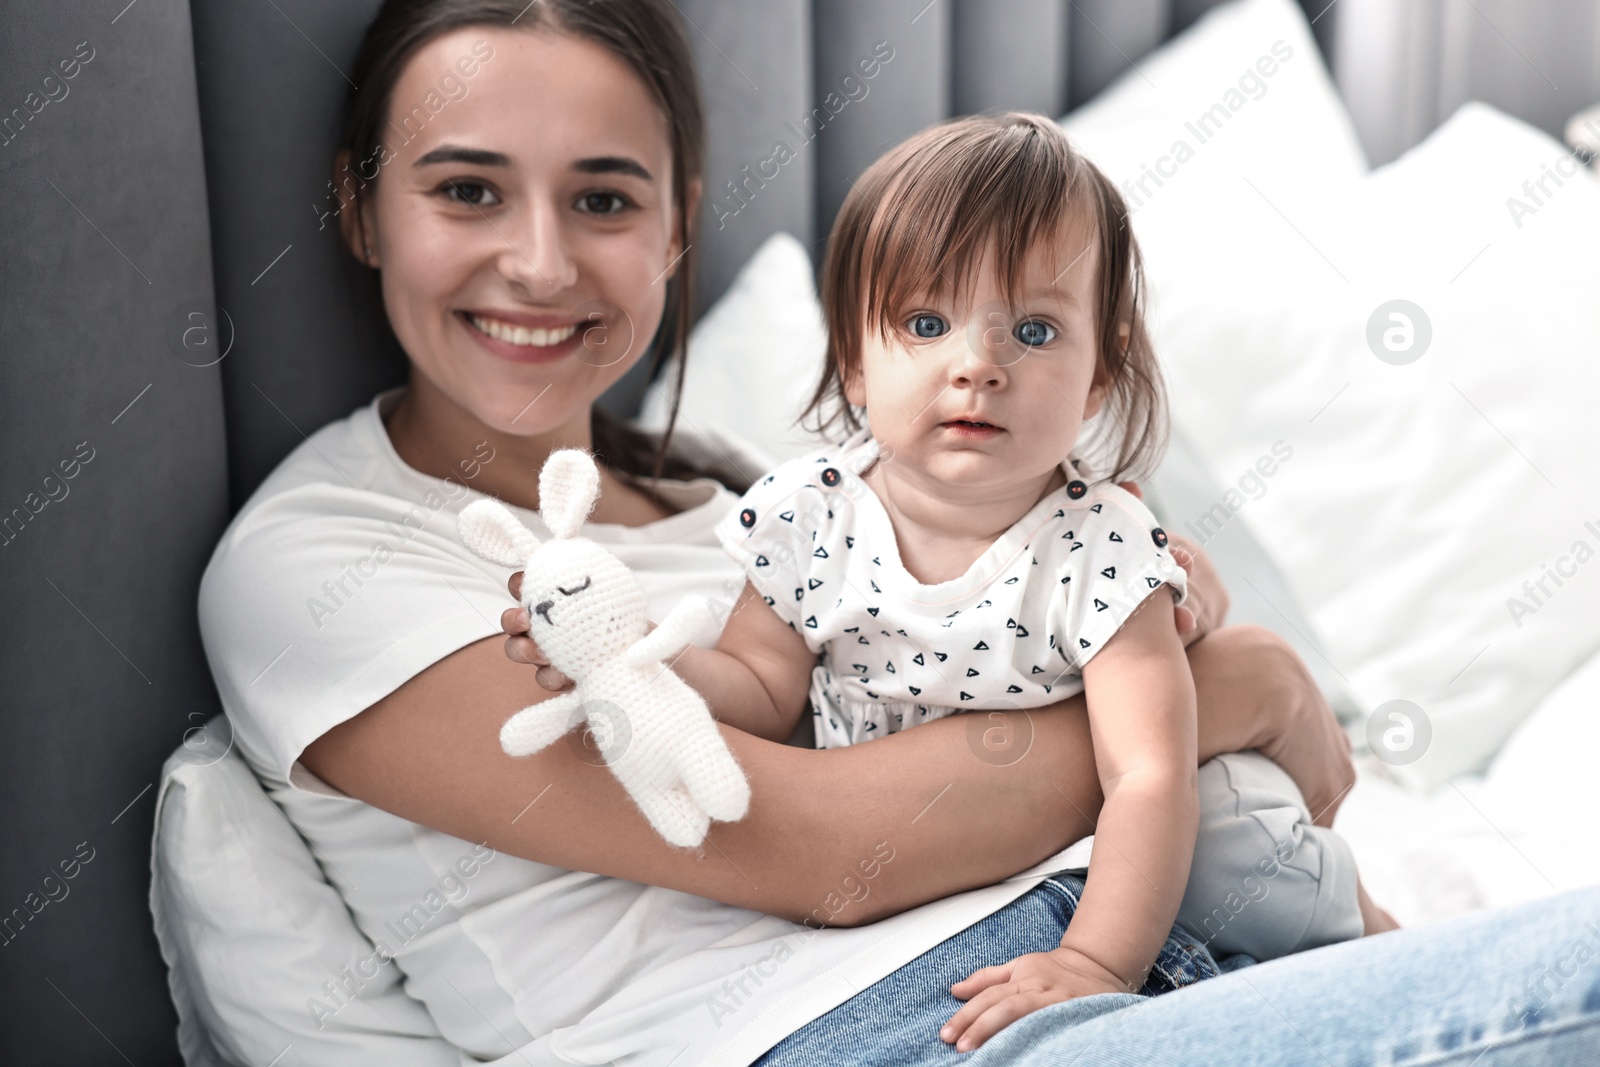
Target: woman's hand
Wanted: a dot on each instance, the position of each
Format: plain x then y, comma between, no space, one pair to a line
521,648
1255,692
1206,606
1207,603
1306,739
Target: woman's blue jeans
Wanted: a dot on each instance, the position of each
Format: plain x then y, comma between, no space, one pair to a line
1515,986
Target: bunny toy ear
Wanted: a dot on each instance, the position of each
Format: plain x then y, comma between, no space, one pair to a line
568,486
490,530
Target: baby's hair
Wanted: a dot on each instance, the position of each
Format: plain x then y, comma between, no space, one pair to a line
931,207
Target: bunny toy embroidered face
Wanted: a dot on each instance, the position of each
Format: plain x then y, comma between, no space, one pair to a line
585,607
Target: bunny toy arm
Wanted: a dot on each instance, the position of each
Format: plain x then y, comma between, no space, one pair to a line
537,725
758,678
688,618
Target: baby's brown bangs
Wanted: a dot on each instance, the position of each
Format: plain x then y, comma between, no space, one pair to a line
961,190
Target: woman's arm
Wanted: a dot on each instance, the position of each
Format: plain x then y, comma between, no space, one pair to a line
430,752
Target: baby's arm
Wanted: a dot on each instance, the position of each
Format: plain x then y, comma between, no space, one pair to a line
1142,721
759,676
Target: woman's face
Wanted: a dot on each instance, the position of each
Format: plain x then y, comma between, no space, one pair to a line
525,232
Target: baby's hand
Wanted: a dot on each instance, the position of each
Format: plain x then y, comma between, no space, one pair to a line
998,996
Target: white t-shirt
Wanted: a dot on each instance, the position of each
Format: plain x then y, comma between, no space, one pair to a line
1014,631
341,578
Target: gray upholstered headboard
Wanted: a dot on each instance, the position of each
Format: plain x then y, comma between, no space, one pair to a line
172,173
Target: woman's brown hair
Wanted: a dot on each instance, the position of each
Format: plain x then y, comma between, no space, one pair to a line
921,218
647,36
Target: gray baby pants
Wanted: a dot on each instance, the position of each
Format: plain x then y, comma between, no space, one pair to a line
1265,881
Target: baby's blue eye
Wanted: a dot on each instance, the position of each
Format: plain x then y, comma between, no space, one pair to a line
1034,332
928,326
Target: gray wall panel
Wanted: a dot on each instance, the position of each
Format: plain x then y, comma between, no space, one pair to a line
271,90
910,91
1009,55
100,661
1106,36
1502,52
755,76
1404,69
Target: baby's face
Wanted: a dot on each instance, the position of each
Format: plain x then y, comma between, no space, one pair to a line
1025,374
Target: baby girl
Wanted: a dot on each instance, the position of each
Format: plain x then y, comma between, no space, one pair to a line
971,550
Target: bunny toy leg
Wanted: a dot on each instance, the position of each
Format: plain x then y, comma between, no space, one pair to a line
712,776
674,814
537,725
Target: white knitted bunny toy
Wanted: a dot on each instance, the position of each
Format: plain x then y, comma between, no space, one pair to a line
588,614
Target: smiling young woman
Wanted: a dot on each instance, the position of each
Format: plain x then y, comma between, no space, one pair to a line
529,242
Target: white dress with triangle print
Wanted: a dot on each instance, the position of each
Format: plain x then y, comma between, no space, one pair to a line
1013,632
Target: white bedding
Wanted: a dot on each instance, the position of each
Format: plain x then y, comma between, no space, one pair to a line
1525,829
1426,488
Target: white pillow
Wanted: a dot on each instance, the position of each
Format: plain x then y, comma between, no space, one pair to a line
1267,252
1275,118
1492,841
1542,780
754,357
1422,496
1243,93
250,931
